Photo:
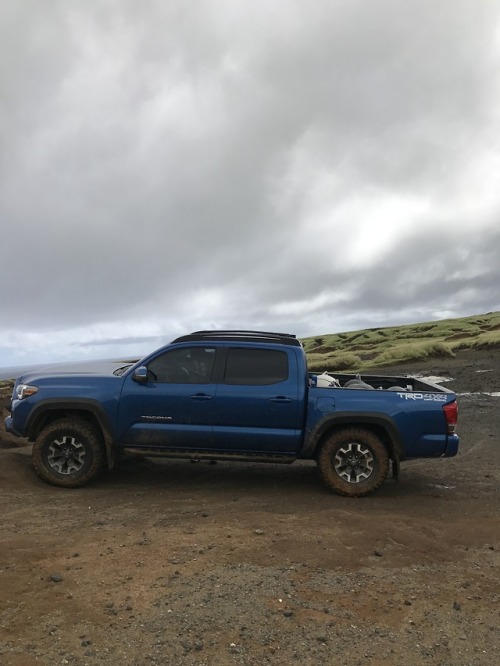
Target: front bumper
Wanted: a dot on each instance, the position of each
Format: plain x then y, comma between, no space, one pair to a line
9,426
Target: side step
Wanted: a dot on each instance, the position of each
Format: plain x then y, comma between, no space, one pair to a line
206,455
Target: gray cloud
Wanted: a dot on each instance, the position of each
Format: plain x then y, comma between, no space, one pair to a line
173,166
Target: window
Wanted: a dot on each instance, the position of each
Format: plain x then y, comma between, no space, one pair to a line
256,367
187,365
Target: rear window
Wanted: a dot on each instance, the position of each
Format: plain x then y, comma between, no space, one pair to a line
256,367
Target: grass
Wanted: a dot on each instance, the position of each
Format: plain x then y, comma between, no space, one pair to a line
6,387
378,347
374,347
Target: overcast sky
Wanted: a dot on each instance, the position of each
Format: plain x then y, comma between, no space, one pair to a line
308,167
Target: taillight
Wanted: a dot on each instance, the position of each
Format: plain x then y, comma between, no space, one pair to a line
451,415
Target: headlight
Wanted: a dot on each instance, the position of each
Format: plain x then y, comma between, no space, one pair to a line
25,390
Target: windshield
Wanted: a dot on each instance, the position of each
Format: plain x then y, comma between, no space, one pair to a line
119,371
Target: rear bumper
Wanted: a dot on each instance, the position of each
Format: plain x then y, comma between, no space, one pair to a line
452,446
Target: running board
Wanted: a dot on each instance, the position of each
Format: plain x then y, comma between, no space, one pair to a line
206,455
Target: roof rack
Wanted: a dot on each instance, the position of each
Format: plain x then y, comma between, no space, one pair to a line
241,336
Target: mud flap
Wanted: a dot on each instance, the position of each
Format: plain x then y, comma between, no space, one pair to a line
395,468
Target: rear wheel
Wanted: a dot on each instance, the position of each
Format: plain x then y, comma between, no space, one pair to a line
353,462
68,453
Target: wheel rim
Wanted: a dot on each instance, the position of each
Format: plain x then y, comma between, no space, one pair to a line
354,462
66,455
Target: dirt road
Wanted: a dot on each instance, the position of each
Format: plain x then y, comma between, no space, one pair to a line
193,564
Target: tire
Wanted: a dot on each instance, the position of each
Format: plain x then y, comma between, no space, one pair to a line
68,453
353,462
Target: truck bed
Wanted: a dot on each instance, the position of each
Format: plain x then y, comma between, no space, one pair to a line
376,382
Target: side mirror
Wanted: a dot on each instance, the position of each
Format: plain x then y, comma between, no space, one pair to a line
140,374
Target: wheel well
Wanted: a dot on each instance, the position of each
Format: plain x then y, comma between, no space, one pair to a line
51,415
376,428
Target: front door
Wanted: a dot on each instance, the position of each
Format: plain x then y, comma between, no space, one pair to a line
173,409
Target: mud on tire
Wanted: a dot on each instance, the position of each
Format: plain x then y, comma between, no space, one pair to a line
353,462
68,453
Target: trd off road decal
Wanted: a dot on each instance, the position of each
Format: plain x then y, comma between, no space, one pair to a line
434,397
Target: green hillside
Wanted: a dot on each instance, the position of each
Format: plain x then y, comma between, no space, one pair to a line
372,347
378,347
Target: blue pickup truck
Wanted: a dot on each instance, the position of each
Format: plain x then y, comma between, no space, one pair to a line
232,395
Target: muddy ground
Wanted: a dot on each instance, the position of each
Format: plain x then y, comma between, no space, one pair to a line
193,564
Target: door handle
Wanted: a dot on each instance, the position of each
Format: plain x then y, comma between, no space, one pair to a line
281,399
201,396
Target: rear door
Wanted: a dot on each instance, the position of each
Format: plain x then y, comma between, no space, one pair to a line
259,402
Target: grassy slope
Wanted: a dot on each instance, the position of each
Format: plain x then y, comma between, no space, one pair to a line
6,386
374,347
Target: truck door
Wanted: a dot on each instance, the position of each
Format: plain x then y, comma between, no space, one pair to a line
259,402
173,408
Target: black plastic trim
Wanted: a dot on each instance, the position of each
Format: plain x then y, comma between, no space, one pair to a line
352,419
71,405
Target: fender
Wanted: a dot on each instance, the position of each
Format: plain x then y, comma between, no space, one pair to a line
336,419
36,417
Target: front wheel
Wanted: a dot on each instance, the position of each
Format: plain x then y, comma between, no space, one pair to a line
353,462
68,453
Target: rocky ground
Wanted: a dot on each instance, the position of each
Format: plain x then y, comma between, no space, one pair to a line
193,564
